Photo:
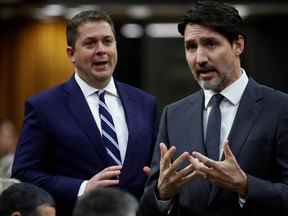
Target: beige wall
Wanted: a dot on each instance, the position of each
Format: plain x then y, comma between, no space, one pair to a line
32,58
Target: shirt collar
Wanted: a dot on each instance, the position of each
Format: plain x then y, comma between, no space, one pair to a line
232,93
89,90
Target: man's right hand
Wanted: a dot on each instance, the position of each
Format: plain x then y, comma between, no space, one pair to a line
170,179
105,178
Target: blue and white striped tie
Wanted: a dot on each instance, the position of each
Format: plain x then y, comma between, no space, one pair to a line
109,136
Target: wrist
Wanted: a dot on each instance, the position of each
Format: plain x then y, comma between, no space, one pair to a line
243,189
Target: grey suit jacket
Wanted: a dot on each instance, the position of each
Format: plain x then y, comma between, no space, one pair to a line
259,141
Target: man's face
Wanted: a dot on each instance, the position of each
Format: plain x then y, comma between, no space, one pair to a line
95,53
214,62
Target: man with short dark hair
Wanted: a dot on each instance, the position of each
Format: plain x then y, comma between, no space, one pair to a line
106,202
91,131
23,199
224,149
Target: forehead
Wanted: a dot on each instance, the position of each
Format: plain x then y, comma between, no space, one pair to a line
44,210
196,32
97,28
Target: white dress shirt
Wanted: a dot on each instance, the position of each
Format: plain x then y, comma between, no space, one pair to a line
115,107
228,107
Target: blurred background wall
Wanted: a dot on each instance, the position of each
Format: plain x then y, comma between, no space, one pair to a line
151,53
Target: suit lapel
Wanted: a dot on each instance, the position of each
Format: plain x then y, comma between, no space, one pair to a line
195,118
130,109
83,116
248,111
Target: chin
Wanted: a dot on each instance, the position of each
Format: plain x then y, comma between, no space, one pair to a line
211,85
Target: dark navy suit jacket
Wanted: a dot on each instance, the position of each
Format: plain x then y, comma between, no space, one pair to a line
259,141
60,144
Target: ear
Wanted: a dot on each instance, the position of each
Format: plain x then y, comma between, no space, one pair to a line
71,52
238,45
17,213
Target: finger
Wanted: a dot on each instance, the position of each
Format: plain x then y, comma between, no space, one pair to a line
112,168
227,151
201,174
195,162
205,160
167,158
147,170
107,183
185,171
163,149
177,162
200,167
107,175
188,178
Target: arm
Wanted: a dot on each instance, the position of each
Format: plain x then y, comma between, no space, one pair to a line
270,192
34,162
166,179
274,193
33,159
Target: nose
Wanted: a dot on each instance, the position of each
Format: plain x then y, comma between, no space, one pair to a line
100,48
201,56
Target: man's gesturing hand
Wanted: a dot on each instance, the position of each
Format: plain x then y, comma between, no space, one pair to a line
104,178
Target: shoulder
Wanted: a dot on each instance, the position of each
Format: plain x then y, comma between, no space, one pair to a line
46,97
134,92
187,102
270,93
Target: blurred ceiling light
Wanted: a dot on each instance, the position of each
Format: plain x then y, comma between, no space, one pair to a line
139,12
49,11
73,11
162,30
53,10
244,10
132,30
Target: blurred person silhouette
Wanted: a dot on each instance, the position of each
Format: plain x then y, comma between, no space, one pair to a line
92,131
7,182
106,202
24,199
8,141
224,149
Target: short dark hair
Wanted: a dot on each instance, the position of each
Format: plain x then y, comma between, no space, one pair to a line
84,17
106,202
218,16
25,198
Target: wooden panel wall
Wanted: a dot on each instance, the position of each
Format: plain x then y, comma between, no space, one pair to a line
32,58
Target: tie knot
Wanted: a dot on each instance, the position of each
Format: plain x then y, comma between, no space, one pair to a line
101,94
216,99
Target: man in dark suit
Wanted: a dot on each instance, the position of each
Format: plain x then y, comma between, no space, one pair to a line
227,155
91,131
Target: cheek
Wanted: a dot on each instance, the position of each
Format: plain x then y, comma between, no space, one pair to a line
223,60
189,59
86,56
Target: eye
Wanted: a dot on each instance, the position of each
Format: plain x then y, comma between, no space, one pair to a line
108,41
211,44
190,46
89,44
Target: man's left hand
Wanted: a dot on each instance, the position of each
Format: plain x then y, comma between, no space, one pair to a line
226,174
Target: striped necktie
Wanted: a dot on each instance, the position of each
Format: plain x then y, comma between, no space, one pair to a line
109,136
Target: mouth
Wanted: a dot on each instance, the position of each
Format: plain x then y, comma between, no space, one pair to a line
207,74
100,65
